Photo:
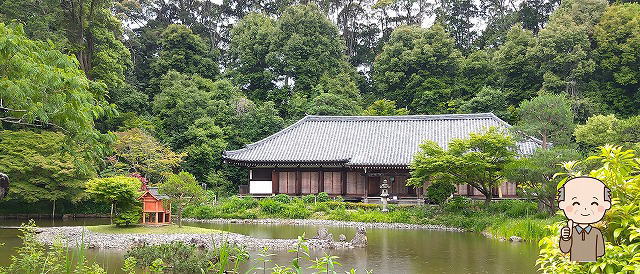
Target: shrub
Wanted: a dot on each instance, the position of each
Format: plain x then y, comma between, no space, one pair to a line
283,198
129,217
458,204
235,204
322,197
296,211
320,207
309,198
338,199
184,258
272,207
528,229
513,208
201,212
439,191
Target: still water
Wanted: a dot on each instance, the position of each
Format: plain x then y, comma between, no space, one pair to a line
389,250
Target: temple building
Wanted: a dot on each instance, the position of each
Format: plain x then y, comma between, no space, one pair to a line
350,156
156,208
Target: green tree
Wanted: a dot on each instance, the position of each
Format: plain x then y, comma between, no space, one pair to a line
548,117
478,161
252,56
333,104
137,151
488,100
39,168
183,51
564,45
183,190
618,57
517,66
384,107
309,47
534,174
206,143
40,87
120,191
603,130
456,17
417,67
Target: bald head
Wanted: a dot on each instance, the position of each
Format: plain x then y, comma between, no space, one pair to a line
584,199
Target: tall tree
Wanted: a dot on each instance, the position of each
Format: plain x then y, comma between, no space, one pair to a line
40,87
618,58
384,107
478,161
253,56
517,66
417,68
548,117
309,48
564,46
457,16
184,52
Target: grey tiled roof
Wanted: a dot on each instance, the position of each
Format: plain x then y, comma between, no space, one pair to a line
366,140
154,191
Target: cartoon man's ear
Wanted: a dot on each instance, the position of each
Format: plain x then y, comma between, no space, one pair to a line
563,204
606,205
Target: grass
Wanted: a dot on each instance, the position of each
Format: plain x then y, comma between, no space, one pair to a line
140,229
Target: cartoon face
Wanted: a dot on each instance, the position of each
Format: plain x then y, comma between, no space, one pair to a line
584,200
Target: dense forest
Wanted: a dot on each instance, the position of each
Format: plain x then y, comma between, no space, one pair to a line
106,87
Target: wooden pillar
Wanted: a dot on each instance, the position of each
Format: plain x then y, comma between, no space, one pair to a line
144,217
275,182
320,181
156,217
343,180
298,182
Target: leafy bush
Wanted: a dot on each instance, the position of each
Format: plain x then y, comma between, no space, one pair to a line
185,258
320,207
350,205
439,191
458,204
272,207
309,198
295,211
283,198
322,197
235,204
338,199
513,208
129,217
202,212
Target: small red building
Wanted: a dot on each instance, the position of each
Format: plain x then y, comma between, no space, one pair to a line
155,207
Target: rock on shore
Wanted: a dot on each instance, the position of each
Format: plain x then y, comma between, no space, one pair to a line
75,235
317,222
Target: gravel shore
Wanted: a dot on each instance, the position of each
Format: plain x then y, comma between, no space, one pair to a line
73,235
316,222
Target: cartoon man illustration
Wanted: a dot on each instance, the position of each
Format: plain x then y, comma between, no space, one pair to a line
584,201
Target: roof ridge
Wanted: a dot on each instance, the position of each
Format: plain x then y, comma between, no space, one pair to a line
403,117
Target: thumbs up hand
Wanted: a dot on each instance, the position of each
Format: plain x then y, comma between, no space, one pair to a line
566,231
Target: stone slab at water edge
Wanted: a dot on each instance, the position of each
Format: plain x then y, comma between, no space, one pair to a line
319,222
74,235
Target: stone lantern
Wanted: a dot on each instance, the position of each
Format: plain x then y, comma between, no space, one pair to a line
384,194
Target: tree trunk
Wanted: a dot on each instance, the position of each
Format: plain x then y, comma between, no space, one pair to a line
111,216
488,196
180,217
53,213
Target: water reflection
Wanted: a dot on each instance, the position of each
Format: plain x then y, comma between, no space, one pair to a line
389,250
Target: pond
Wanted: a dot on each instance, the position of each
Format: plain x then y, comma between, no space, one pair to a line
389,250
